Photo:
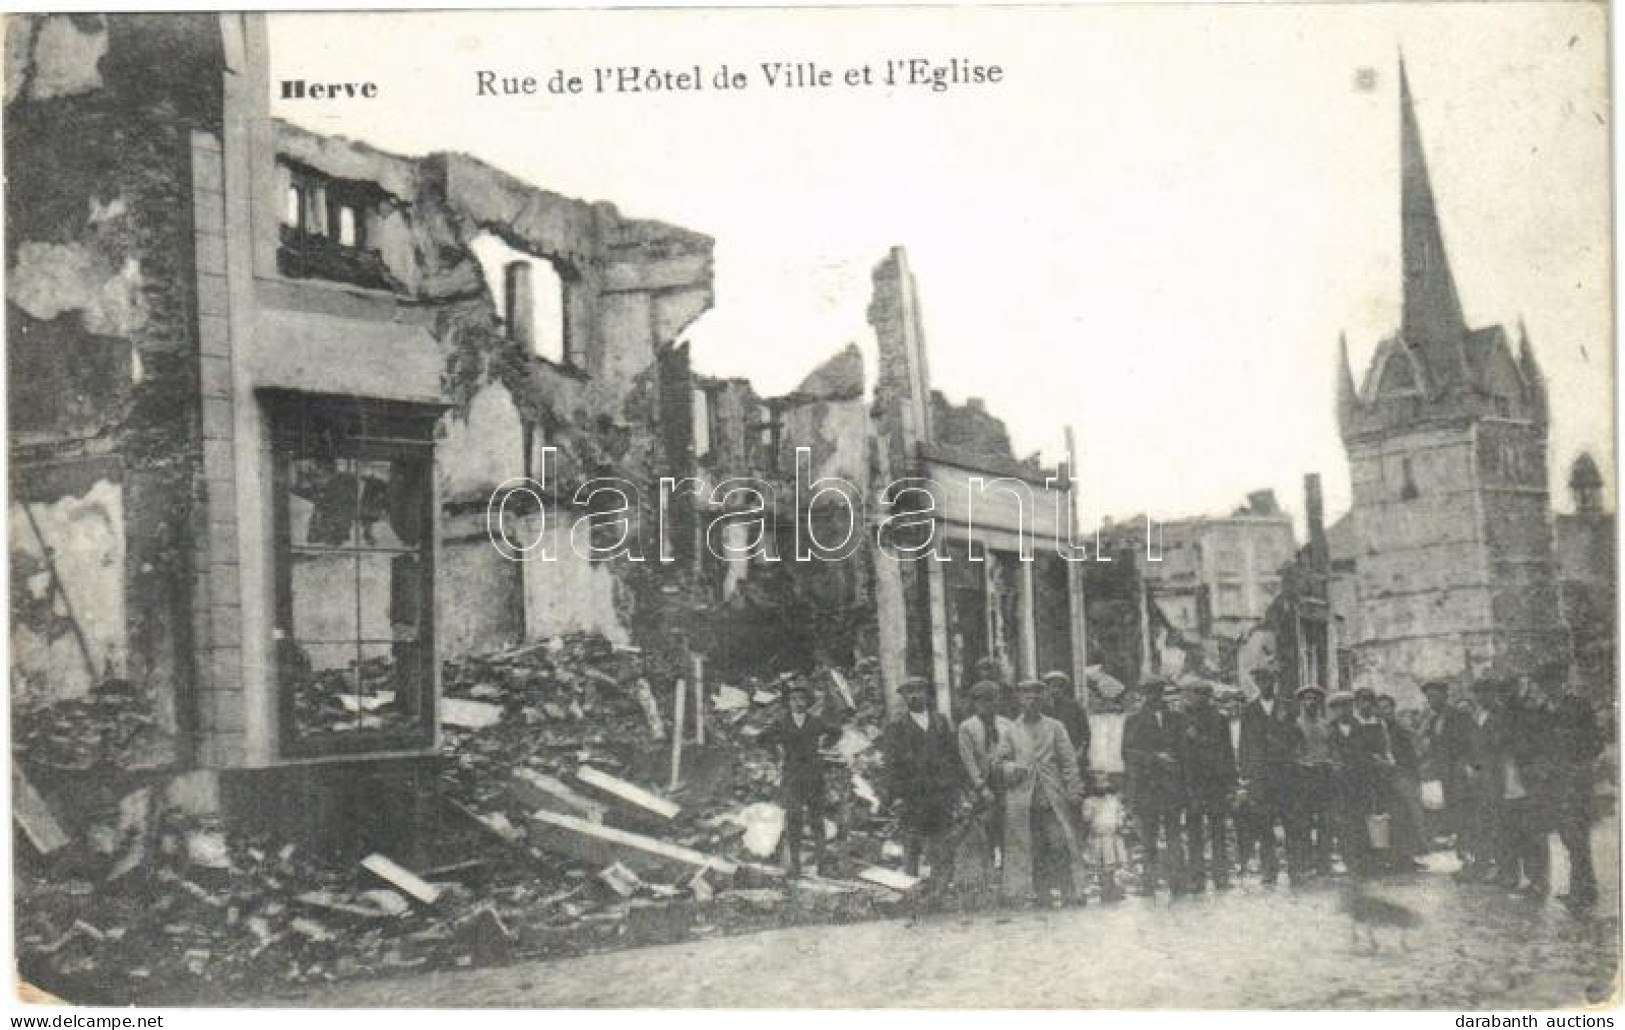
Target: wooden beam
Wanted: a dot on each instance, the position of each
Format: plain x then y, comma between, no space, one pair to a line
604,845
39,824
403,880
538,790
681,691
630,793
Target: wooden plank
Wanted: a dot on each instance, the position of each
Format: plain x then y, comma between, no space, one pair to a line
676,739
535,790
699,699
897,881
630,793
403,880
604,845
38,822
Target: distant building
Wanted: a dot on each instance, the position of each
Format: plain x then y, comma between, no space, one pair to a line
1452,556
1211,578
1216,576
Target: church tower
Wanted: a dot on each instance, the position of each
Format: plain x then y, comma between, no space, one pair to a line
1446,440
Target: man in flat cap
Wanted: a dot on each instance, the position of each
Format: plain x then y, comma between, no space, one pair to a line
990,670
1153,743
1526,802
1576,741
1043,844
984,750
1061,704
1351,794
799,735
1483,772
1269,744
1410,834
1209,768
1314,778
923,778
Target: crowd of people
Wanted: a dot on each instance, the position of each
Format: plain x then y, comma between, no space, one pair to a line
1001,807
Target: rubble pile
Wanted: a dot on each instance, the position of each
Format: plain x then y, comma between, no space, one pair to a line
563,835
112,725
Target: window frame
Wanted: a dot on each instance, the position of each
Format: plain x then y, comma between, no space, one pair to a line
289,416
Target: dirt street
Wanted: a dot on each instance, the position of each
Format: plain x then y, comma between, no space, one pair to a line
1253,947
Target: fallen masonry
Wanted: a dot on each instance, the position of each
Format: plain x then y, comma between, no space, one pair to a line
552,839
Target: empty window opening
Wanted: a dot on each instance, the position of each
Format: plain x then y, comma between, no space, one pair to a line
349,230
530,296
327,229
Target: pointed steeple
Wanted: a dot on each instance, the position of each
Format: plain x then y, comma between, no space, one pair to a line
1432,320
1534,381
1347,398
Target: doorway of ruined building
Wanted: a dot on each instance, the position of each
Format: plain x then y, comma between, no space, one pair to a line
1052,614
965,582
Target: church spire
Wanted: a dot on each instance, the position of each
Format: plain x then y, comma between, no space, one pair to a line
1432,320
1348,399
1534,381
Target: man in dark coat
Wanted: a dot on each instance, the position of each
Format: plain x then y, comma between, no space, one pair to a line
799,735
1354,754
1410,836
1153,742
1575,742
1061,704
924,778
1209,766
1269,746
1442,748
1377,782
1525,810
1485,768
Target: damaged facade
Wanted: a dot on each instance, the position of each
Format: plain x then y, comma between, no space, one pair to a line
265,384
261,395
981,598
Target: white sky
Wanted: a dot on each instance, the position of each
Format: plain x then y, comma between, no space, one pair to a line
1154,230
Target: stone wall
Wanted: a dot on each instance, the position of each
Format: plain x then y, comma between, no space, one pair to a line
106,422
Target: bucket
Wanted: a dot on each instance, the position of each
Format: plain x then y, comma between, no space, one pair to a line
1377,828
1433,795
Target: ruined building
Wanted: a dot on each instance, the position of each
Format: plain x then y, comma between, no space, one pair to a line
1450,530
261,393
265,386
996,587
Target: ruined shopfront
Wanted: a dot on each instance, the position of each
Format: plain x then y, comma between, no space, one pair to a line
262,386
1000,588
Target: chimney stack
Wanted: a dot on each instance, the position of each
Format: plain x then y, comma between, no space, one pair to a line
520,305
1315,515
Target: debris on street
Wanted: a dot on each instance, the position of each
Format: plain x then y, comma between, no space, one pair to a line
558,838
